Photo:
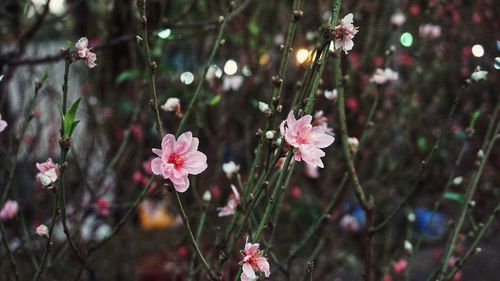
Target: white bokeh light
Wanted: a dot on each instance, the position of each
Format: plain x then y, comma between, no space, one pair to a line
230,67
477,50
187,78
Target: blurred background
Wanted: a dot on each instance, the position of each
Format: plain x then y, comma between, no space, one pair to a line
434,46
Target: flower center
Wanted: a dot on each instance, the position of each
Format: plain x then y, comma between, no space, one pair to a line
341,32
176,159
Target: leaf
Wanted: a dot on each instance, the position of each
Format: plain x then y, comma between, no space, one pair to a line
215,100
475,115
253,28
69,122
453,196
127,75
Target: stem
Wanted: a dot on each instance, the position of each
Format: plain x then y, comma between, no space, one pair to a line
12,261
473,247
199,230
344,135
152,67
470,193
423,165
185,220
199,86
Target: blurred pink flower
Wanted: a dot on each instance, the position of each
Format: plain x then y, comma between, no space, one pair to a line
398,19
42,231
387,277
3,124
349,223
457,276
400,265
48,173
232,203
429,31
9,210
382,76
85,53
102,206
177,159
344,33
415,9
296,192
253,261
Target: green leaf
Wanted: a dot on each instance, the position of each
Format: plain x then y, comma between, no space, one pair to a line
127,75
253,28
215,100
69,122
453,196
475,115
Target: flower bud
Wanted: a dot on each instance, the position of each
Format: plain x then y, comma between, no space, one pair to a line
264,107
42,231
270,135
207,196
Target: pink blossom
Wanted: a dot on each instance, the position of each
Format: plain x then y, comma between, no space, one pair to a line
382,76
349,223
306,139
42,231
102,206
85,53
48,173
429,31
179,158
232,203
400,265
253,260
344,33
9,210
398,19
3,124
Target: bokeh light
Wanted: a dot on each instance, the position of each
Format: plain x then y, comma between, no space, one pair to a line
164,34
478,50
187,78
406,39
230,67
302,55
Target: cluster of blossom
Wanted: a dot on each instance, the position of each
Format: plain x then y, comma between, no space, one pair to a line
48,172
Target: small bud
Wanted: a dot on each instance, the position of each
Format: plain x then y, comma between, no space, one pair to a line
42,231
472,203
282,47
480,154
279,108
270,135
479,250
411,217
46,181
222,42
207,196
408,246
264,107
458,180
297,14
353,144
331,95
221,19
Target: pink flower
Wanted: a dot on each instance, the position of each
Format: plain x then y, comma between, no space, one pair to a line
349,223
306,139
344,33
177,159
42,231
3,124
102,206
85,53
400,265
381,76
429,31
253,260
48,173
232,203
9,210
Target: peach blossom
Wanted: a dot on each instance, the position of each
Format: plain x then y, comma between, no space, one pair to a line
232,203
9,210
344,33
253,260
179,158
400,265
3,124
85,53
306,139
48,172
